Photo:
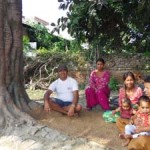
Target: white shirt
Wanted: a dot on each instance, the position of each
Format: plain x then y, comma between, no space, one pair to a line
64,88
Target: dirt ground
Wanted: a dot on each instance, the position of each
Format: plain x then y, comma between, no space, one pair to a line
89,125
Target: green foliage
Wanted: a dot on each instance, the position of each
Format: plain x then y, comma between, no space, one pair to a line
47,61
68,57
75,46
42,52
45,40
113,84
26,45
40,34
147,53
118,24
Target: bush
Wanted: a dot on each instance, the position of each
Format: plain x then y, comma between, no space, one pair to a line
113,84
43,52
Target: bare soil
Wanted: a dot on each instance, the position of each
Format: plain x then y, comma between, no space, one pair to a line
89,125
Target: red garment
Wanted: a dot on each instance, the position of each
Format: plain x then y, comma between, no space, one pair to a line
125,113
142,119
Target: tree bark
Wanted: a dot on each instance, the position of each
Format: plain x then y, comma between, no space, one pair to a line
14,100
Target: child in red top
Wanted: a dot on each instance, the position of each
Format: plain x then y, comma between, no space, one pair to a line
125,109
141,118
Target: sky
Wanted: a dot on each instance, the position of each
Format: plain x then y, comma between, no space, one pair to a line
43,9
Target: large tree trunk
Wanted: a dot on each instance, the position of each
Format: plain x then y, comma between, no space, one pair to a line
13,97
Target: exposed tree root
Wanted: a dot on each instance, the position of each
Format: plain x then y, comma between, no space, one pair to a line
16,114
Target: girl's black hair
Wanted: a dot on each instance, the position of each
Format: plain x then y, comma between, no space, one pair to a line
101,60
127,100
129,73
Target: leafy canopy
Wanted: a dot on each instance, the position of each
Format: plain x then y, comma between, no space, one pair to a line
115,24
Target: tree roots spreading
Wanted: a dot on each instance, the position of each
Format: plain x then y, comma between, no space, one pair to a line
14,113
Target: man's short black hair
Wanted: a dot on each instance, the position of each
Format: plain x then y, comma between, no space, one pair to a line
62,67
147,79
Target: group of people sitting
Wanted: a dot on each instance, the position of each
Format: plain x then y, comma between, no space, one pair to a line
134,120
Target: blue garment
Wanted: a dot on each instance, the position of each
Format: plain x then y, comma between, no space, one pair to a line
62,103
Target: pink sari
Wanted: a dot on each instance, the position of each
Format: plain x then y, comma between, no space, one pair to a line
98,90
134,98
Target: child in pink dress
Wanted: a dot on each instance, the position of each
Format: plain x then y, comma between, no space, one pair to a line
130,91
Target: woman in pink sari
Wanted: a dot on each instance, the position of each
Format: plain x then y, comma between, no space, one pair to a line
98,90
130,91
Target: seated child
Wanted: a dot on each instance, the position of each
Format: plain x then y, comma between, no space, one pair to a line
140,119
125,109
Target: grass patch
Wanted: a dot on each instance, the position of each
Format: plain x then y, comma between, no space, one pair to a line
35,94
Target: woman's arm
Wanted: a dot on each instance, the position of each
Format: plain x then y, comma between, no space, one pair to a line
91,80
105,79
121,95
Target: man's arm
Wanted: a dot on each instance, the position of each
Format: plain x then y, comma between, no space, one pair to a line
75,97
74,103
46,100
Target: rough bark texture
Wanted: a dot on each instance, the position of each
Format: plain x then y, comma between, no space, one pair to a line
14,100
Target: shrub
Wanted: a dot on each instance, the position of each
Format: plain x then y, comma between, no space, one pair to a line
113,84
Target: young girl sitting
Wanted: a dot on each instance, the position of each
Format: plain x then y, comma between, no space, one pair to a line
141,118
125,109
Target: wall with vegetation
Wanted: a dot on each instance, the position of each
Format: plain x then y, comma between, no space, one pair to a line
118,64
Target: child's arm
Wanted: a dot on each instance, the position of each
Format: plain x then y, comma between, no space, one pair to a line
132,119
116,110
